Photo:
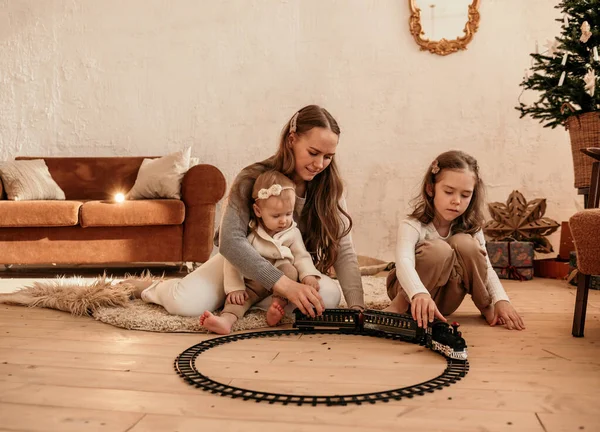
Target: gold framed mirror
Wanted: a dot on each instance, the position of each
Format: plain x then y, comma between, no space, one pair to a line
438,26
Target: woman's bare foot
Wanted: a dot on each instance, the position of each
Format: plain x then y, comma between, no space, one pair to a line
138,286
399,305
275,313
218,324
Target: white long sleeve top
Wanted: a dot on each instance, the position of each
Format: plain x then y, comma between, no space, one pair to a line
411,233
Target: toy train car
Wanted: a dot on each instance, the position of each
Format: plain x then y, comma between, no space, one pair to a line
348,319
438,336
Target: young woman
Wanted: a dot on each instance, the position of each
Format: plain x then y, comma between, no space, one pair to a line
306,155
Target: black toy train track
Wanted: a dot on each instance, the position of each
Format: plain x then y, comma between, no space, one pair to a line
185,365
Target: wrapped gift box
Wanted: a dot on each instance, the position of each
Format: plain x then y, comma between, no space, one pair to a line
511,260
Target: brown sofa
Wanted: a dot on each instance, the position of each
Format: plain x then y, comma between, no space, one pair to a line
90,228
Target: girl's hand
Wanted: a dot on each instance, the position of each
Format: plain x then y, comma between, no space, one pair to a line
305,297
505,313
424,309
237,297
312,281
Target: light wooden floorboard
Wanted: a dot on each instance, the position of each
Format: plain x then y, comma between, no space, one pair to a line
64,373
29,417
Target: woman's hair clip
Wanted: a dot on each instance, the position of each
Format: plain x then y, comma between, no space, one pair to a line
274,190
435,167
293,122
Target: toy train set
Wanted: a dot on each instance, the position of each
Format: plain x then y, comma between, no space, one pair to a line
438,336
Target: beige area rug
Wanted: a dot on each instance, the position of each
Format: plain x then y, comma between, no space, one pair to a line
110,301
138,315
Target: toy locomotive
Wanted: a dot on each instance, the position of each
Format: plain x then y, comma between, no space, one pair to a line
438,336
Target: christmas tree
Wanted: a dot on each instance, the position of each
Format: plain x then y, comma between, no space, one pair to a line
567,71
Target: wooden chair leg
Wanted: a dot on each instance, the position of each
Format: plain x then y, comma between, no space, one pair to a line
594,196
583,283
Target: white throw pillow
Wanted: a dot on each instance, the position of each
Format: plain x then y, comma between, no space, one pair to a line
161,178
26,180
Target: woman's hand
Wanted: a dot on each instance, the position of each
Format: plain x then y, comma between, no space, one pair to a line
305,297
424,309
505,313
237,297
313,281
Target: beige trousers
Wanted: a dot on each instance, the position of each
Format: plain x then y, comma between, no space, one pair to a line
449,270
203,290
257,292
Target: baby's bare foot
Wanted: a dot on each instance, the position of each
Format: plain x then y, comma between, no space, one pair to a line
274,314
217,324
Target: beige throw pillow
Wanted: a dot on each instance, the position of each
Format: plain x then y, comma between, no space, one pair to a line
26,180
161,178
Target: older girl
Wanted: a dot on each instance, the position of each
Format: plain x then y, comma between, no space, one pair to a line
440,249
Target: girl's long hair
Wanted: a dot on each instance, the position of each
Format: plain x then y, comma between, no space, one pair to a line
321,215
471,220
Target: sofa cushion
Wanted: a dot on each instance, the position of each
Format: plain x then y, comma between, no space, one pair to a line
132,213
29,180
39,213
161,178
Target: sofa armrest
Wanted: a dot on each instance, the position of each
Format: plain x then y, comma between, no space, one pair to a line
585,229
202,184
201,189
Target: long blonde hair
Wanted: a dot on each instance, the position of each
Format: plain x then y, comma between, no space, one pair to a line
321,213
471,220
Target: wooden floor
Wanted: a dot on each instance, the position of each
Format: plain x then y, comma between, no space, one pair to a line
61,373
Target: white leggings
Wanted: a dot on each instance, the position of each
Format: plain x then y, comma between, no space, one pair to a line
203,290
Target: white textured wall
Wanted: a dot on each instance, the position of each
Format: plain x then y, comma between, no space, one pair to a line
145,77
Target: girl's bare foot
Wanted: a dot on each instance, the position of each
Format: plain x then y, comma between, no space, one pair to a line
275,313
399,305
488,314
218,324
